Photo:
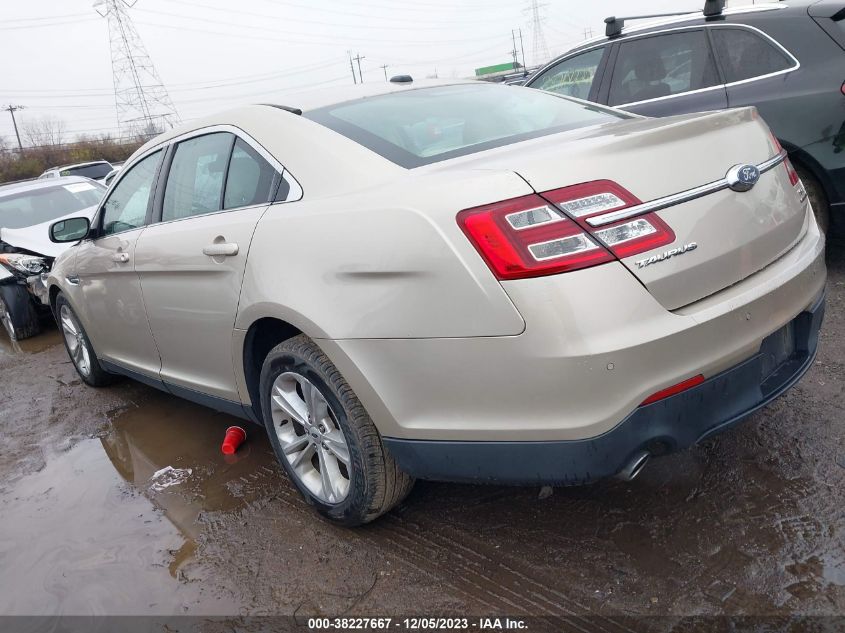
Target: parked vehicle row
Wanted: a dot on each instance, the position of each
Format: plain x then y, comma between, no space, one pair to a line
451,281
785,58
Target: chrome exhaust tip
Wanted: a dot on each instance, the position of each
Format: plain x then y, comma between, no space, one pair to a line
634,467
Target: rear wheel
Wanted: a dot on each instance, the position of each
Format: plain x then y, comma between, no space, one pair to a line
324,438
17,312
79,347
818,199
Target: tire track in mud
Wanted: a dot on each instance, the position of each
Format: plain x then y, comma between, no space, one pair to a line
491,573
485,577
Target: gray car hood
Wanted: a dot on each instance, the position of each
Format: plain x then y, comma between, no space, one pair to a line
36,238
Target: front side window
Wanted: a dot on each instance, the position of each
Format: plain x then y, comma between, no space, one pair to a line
195,182
424,125
745,54
251,179
572,77
662,65
126,206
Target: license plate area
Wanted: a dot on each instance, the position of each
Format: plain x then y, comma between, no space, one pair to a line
777,348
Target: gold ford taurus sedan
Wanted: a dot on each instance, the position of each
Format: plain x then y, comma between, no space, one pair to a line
460,281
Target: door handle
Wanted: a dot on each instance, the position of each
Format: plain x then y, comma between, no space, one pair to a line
226,249
120,258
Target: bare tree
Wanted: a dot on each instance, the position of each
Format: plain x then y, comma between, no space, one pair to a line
44,131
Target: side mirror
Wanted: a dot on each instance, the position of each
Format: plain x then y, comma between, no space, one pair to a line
70,230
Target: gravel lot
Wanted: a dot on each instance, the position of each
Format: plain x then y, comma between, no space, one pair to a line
118,501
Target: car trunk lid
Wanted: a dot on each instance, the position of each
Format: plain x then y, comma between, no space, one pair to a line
721,236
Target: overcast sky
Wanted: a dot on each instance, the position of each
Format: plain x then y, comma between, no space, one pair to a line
56,58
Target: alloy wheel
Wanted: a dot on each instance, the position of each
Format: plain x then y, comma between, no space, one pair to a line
311,439
75,341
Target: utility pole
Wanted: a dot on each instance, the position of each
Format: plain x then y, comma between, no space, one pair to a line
522,48
513,52
384,68
358,59
12,109
588,32
352,67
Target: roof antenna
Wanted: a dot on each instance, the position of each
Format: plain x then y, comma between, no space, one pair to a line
713,7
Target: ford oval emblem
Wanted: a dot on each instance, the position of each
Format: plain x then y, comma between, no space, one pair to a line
742,177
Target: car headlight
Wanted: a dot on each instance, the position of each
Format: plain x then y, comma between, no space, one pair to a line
28,264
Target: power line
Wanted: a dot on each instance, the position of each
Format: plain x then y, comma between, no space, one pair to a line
278,33
402,23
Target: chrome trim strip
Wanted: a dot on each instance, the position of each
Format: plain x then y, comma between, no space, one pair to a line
678,198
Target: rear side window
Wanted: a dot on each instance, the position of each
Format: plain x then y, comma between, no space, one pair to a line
419,126
251,179
126,206
195,181
661,66
572,77
744,54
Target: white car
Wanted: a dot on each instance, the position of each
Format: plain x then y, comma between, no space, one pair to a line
462,281
97,170
27,209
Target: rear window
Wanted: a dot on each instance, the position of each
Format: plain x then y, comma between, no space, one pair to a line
426,125
745,54
37,206
95,172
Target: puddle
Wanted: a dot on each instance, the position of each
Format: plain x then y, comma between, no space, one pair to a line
111,526
47,339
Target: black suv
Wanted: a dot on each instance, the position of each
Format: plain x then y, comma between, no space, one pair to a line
788,59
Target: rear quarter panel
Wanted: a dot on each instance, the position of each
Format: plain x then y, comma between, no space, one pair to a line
386,262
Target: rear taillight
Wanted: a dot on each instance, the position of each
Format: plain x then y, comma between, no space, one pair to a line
546,234
528,237
790,170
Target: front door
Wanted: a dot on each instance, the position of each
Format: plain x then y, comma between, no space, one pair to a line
106,293
191,263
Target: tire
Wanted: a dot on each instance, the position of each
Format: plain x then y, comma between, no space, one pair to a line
311,437
79,347
821,208
18,313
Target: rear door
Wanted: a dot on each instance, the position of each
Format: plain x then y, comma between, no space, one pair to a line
673,72
191,262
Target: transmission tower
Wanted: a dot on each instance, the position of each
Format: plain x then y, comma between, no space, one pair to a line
143,106
540,53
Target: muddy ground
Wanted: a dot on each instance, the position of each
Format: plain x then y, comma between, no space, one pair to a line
118,501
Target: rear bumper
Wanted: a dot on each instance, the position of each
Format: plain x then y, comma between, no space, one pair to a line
665,426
